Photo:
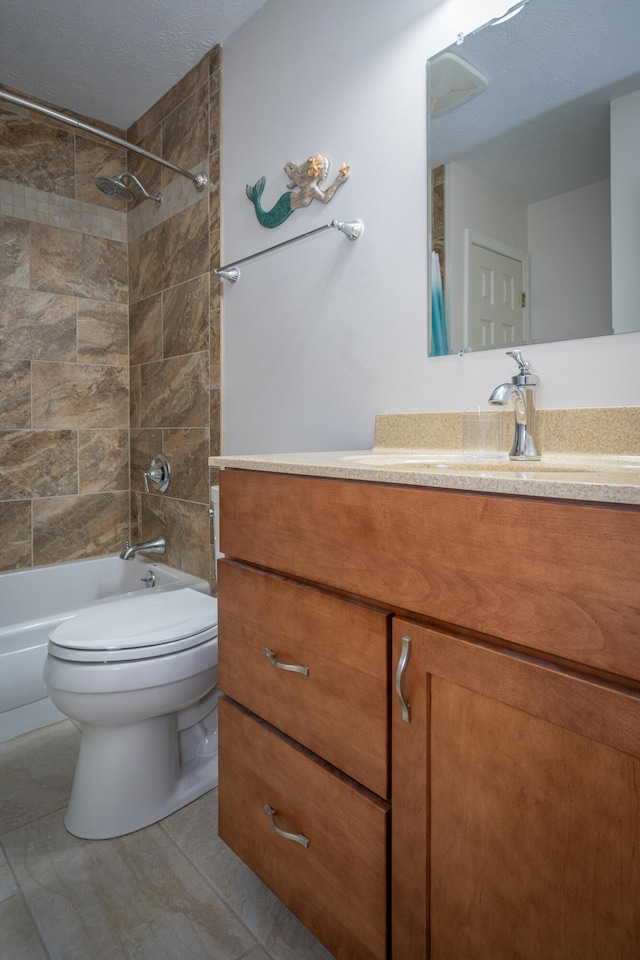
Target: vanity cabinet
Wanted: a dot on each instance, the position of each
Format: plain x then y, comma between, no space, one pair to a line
515,763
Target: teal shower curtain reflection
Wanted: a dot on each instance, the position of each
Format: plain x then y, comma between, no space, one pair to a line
439,345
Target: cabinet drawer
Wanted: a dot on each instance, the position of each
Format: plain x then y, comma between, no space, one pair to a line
339,710
337,884
560,577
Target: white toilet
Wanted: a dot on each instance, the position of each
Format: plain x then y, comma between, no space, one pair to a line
138,675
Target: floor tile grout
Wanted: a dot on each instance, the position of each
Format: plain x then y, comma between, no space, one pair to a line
37,771
24,897
229,906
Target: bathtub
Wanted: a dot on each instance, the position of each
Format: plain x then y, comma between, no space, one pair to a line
34,600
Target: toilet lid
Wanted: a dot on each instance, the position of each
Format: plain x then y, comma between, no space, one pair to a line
140,623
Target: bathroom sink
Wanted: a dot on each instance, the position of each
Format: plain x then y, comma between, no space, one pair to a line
552,464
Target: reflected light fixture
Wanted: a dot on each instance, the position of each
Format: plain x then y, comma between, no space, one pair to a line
452,81
511,12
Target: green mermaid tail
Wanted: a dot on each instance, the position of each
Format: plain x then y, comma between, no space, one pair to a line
278,213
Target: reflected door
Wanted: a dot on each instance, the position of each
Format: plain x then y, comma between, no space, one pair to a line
496,305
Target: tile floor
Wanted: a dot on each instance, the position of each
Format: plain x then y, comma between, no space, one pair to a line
172,891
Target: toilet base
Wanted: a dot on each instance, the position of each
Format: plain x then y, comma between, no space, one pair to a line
128,777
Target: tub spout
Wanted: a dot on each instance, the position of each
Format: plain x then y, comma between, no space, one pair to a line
159,545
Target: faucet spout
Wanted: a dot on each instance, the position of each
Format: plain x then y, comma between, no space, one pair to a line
507,391
159,545
522,393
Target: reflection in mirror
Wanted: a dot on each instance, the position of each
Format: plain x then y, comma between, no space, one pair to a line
534,154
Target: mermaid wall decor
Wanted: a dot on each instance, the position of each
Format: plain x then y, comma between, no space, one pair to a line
306,176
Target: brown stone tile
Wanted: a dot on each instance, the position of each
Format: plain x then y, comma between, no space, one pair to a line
174,251
37,326
174,392
15,259
70,528
215,429
15,534
103,460
34,153
188,450
94,159
145,445
185,318
214,222
214,338
135,532
15,520
215,59
38,463
185,132
15,394
148,172
134,397
15,556
77,395
215,112
186,527
145,330
179,92
103,332
437,212
66,261
438,175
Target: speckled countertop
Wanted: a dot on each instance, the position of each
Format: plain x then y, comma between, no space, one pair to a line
587,455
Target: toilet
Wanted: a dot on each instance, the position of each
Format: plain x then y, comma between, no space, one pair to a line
139,678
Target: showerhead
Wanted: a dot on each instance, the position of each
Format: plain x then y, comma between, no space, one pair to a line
116,188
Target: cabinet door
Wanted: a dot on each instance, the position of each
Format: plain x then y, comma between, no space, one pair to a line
516,807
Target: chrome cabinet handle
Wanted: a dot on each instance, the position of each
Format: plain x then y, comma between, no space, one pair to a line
296,837
293,667
402,666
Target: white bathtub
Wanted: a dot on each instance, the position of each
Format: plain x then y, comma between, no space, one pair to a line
34,600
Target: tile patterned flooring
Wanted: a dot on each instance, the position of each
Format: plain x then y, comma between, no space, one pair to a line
169,892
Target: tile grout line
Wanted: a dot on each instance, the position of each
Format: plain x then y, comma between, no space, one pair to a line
23,896
229,907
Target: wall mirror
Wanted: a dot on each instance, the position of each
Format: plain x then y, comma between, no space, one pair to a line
534,155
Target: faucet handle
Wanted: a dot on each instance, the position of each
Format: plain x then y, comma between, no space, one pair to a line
524,365
524,377
159,473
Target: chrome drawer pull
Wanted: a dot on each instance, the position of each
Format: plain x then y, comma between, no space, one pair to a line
293,667
402,665
296,837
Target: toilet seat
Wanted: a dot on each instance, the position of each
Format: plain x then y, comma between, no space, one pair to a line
137,628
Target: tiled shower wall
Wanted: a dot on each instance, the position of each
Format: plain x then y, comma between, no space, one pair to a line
175,318
69,487
64,379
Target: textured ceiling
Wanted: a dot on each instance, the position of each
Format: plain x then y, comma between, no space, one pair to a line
109,59
541,127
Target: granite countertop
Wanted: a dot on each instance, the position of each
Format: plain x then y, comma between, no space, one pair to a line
608,471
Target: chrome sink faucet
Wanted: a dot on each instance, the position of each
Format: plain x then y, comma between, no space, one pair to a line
522,392
159,545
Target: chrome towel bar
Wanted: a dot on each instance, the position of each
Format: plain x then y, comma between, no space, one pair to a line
352,229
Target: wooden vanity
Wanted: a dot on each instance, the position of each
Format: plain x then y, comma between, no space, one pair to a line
483,803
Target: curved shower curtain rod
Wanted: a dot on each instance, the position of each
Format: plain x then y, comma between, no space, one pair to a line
200,180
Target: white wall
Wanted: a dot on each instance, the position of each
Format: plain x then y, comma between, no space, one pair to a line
321,336
625,210
572,230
